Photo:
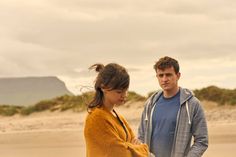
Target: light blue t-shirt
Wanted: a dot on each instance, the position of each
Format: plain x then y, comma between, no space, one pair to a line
163,124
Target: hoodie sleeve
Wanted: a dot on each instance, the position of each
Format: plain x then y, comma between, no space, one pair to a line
141,128
200,133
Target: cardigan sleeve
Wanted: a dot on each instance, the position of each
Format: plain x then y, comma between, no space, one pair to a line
129,128
134,147
100,131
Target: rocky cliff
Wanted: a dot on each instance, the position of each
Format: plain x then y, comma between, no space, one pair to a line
30,90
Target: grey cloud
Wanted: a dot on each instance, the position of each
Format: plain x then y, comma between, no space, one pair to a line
210,8
133,69
57,37
112,35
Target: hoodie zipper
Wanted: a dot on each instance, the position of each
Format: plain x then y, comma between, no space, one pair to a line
177,124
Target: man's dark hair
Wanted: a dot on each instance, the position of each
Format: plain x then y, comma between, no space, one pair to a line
167,62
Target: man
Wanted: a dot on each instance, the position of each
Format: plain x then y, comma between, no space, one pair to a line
173,116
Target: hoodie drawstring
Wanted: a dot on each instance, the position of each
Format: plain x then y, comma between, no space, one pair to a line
189,122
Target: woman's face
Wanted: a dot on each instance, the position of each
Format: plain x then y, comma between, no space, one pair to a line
115,96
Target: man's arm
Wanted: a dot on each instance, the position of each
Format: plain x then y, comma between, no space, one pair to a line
200,132
141,128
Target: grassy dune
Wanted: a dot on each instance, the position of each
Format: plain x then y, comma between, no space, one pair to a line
62,103
78,103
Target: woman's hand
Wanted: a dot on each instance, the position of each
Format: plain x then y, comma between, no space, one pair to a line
136,141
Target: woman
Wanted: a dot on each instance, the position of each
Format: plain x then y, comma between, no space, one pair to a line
107,133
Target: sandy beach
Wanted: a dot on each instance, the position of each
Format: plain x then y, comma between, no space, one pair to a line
60,134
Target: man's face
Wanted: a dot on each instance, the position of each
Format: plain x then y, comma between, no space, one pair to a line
167,78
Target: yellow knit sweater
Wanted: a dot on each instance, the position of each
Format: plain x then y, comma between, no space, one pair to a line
105,136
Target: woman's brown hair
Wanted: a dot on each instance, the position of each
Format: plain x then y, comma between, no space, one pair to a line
112,76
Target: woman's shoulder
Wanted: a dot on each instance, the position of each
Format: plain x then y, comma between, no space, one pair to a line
97,113
98,118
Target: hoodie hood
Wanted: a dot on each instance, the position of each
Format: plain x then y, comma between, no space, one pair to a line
185,95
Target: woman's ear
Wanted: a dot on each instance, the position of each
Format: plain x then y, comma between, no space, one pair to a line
103,90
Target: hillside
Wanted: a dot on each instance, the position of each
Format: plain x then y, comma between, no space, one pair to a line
30,90
62,103
221,96
78,103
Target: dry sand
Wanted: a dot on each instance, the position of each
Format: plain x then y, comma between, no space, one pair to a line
61,134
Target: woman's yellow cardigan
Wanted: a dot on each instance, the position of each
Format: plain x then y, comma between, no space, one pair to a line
105,136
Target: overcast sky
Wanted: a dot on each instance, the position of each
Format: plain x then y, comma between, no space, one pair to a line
64,37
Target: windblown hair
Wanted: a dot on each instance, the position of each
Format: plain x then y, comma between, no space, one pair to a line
167,62
112,76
